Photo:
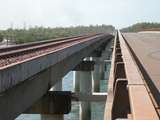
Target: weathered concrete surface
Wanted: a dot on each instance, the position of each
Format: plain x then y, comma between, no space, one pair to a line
16,73
146,47
17,99
36,78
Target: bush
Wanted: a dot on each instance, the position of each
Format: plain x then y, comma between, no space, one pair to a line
41,33
1,37
145,26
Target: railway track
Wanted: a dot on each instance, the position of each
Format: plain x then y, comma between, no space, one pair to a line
26,51
26,45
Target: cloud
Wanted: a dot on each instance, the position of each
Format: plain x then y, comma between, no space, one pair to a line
77,12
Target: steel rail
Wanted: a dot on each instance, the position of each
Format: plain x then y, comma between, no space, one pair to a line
37,47
23,54
26,45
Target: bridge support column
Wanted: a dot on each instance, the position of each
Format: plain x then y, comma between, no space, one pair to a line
101,70
85,76
106,58
99,66
96,77
76,81
85,87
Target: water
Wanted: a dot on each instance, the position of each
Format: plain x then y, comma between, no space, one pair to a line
97,108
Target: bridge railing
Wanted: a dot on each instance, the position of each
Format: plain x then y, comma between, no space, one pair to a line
128,97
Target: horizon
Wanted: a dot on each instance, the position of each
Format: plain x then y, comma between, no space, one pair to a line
36,26
61,13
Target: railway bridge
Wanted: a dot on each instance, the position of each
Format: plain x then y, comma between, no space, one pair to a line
31,76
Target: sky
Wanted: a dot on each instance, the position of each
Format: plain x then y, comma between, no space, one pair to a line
65,13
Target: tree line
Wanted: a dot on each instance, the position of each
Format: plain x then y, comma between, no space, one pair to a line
144,26
41,33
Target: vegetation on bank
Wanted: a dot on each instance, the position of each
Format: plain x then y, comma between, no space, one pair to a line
145,26
41,33
1,37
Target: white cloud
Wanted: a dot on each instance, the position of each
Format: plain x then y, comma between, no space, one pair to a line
77,12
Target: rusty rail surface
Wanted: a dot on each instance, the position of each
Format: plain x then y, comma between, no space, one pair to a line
25,46
31,44
18,53
128,97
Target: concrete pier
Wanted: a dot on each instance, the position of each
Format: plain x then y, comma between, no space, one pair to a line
76,81
85,69
86,88
96,77
101,70
106,56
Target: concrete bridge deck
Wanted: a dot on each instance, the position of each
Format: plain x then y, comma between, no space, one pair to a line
146,49
133,90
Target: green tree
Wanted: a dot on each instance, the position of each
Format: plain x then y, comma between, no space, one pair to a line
42,33
1,37
145,26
